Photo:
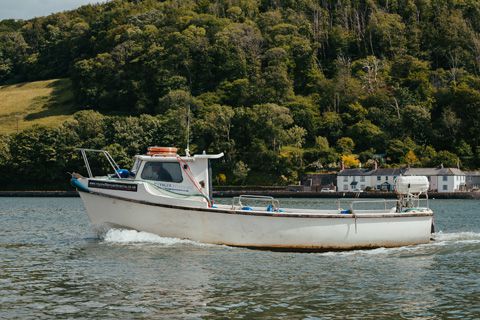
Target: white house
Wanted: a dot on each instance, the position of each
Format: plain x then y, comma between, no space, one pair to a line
360,179
441,179
353,179
472,180
384,178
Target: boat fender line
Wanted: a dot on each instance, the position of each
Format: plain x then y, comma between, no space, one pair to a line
186,168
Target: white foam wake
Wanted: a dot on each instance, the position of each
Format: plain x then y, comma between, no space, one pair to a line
441,240
456,236
133,236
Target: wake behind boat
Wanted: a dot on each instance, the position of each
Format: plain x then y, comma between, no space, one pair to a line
171,196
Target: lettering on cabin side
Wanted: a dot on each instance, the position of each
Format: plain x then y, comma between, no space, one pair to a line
112,185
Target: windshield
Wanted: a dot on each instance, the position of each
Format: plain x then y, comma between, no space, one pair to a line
162,171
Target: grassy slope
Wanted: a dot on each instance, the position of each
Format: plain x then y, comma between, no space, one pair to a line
46,103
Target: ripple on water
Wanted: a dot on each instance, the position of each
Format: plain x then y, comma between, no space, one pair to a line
53,266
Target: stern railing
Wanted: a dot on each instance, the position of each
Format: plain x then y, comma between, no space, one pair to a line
237,201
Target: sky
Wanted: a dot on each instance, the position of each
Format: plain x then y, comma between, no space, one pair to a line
26,9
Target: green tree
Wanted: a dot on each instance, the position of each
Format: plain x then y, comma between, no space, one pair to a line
367,135
345,145
240,172
446,158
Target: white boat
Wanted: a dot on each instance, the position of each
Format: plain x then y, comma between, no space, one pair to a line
171,196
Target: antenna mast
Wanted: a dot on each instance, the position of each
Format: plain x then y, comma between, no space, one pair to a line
187,150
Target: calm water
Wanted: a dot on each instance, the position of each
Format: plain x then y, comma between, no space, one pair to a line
53,266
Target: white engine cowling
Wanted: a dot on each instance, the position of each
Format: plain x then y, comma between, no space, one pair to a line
411,184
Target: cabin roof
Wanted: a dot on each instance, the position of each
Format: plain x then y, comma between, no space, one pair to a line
174,158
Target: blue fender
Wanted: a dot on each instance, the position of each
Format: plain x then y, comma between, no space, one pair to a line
77,185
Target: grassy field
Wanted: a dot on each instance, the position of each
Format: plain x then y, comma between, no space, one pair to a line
46,103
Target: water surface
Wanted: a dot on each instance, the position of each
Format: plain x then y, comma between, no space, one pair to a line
53,266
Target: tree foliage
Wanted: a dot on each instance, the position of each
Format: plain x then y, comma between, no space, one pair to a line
282,86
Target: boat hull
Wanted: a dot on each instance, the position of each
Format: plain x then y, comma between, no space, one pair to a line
264,231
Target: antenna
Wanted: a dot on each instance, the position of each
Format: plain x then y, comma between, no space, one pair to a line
187,150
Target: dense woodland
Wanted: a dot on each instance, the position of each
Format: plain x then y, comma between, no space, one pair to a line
281,86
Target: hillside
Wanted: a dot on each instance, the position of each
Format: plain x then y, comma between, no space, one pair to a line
282,87
47,103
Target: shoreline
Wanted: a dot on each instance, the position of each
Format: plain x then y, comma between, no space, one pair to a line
265,192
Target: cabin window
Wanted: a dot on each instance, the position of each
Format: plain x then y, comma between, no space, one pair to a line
136,167
162,171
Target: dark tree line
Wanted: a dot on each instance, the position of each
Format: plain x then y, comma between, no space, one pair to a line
282,86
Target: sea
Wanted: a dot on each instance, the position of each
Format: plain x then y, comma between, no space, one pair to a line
53,266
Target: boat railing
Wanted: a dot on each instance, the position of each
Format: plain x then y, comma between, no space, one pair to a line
107,155
237,201
385,204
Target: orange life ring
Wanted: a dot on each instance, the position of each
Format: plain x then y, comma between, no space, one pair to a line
161,151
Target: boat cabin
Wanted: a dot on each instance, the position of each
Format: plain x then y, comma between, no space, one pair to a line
188,175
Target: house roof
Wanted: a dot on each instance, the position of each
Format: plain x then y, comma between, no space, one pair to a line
472,173
406,172
354,172
386,172
433,172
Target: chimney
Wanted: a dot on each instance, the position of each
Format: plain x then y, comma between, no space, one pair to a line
342,166
375,163
441,165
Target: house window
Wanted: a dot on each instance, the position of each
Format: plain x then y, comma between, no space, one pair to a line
445,178
379,178
445,187
345,179
386,178
345,187
362,179
378,187
162,171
